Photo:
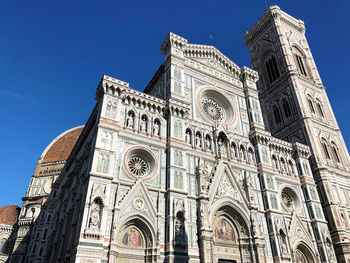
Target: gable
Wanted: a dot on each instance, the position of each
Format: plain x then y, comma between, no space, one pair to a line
226,186
138,202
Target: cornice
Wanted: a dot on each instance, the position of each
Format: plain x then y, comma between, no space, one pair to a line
199,51
272,14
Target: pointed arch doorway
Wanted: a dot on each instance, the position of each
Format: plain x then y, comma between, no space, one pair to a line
230,241
135,243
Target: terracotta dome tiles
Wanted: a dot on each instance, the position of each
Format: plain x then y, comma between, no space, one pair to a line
62,147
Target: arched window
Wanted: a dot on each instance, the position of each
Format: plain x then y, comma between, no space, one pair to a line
177,73
177,129
45,233
311,105
111,110
41,251
286,108
3,246
177,158
272,69
325,149
106,140
33,212
335,153
102,164
300,64
277,114
178,180
319,108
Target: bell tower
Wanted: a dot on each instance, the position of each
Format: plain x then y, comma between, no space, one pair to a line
296,109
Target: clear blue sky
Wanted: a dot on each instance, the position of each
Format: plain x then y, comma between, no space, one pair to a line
53,54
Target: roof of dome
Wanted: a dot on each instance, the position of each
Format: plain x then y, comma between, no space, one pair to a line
60,148
9,214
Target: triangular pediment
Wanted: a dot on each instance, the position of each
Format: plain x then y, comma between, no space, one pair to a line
138,201
212,63
225,185
298,233
211,57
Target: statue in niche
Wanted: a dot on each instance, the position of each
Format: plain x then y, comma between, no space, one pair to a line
143,124
96,212
188,137
233,150
222,146
130,121
283,166
180,232
274,163
198,141
283,243
95,218
207,143
251,156
242,153
156,128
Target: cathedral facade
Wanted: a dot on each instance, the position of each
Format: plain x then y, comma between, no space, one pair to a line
210,163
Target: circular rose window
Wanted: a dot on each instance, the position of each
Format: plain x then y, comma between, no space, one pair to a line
212,109
215,106
140,162
290,199
137,166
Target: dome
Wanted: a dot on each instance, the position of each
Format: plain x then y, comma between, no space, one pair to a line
9,214
60,148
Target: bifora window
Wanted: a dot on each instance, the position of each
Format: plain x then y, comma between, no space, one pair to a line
286,108
272,69
300,64
325,149
277,114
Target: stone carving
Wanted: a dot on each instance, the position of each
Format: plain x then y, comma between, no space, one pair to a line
156,128
130,121
96,213
213,110
179,224
226,188
137,166
198,141
207,143
143,124
188,137
222,146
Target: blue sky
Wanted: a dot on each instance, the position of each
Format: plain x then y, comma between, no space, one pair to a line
53,54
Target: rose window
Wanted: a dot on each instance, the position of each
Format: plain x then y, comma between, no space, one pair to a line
287,200
137,166
213,110
139,162
215,107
